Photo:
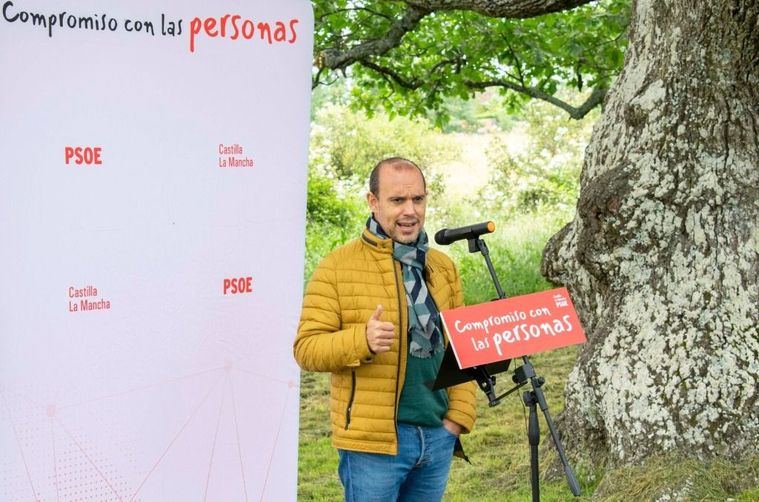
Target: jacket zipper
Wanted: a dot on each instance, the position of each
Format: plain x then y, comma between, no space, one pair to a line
401,346
350,401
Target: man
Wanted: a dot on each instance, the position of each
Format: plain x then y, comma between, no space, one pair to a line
371,318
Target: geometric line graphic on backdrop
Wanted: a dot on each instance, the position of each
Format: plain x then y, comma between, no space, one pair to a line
76,471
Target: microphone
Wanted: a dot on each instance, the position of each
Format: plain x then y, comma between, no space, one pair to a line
449,235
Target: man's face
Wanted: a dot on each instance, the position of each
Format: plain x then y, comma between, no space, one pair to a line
401,203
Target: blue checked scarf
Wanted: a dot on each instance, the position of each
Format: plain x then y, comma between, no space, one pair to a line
424,318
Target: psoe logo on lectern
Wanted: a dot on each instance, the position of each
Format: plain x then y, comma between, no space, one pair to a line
83,155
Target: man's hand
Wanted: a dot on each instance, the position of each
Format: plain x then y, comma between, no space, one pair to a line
452,427
379,334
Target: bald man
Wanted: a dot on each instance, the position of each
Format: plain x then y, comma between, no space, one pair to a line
371,318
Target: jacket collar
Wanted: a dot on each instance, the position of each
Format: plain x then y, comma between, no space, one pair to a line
381,245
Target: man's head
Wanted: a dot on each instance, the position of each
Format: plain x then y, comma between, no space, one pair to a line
398,198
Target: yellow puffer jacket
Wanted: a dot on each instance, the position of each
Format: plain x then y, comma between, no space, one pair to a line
343,293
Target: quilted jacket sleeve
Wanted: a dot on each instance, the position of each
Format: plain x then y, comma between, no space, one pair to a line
322,342
462,399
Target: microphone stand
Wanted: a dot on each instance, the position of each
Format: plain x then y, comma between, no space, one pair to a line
532,398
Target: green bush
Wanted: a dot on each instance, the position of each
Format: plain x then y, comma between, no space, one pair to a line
346,144
545,175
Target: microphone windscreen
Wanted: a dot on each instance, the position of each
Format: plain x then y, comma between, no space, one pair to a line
440,237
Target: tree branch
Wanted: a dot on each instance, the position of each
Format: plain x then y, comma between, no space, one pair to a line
334,59
518,61
412,84
352,9
576,112
396,77
512,9
595,98
315,81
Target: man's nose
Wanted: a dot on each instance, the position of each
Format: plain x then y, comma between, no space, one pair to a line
409,208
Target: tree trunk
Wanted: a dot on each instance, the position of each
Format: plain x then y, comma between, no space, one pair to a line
662,258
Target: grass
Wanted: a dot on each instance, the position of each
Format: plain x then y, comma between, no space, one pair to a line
317,465
672,478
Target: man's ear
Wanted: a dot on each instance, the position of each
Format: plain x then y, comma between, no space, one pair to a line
372,201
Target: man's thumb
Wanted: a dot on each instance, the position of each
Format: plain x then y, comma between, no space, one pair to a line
377,313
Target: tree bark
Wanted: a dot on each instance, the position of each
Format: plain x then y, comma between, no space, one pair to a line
512,9
662,258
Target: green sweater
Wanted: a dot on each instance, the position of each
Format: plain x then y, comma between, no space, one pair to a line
419,405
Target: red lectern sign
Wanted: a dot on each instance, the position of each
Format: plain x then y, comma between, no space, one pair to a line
518,326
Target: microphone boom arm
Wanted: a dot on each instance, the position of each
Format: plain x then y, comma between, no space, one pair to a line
479,245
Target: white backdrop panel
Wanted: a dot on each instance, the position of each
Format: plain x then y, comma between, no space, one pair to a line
172,390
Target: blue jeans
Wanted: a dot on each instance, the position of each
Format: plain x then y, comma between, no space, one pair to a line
418,473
